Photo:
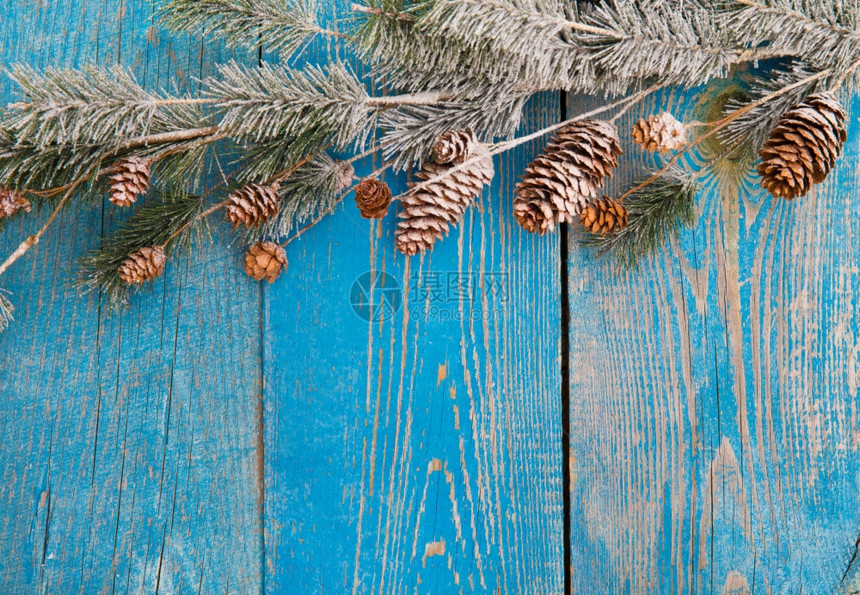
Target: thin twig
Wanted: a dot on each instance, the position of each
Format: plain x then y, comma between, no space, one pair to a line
426,98
320,217
87,104
848,72
400,16
31,241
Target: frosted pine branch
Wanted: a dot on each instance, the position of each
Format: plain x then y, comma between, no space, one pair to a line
822,34
91,106
282,26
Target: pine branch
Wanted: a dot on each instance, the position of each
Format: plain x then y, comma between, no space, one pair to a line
434,47
152,225
310,191
673,43
409,133
657,213
534,45
282,26
311,108
821,33
279,115
70,122
69,108
751,130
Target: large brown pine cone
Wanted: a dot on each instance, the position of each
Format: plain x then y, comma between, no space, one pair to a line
265,260
604,216
373,198
12,201
130,181
803,147
567,176
428,212
253,205
145,264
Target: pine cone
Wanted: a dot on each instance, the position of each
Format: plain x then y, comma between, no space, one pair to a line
12,201
604,216
345,175
265,260
143,265
427,213
803,147
130,181
567,176
454,146
252,205
661,133
373,198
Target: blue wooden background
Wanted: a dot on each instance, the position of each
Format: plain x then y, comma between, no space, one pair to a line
223,436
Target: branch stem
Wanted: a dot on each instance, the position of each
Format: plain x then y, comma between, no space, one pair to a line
45,106
427,98
31,241
400,16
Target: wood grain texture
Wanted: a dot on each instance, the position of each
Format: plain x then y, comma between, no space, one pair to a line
715,432
421,453
129,458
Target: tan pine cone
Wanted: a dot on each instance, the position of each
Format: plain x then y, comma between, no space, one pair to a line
604,216
373,198
427,213
454,146
253,204
803,147
265,260
12,201
145,264
567,176
345,175
661,133
130,181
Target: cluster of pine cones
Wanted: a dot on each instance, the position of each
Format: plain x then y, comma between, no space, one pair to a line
560,186
563,184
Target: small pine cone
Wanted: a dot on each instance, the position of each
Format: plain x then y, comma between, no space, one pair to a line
428,212
12,201
661,133
567,176
803,147
253,204
265,260
454,146
373,198
130,181
143,265
604,216
345,175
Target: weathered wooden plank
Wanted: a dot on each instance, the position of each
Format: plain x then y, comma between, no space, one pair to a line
714,409
129,459
420,453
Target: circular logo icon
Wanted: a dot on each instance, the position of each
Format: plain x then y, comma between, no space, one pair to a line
376,296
